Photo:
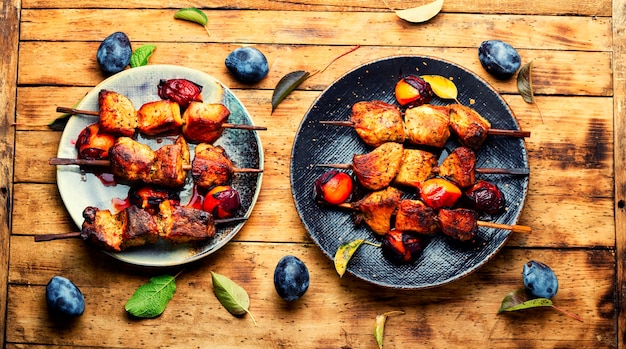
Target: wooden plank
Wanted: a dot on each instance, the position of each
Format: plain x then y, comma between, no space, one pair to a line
295,27
554,72
335,312
581,8
619,156
9,27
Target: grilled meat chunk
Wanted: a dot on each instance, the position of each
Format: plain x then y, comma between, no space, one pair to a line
203,122
378,168
427,125
468,125
159,117
414,216
460,167
416,167
377,208
117,113
211,166
183,224
460,224
377,122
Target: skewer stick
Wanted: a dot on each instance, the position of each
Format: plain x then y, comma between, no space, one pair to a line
76,234
491,131
513,228
521,171
104,163
73,111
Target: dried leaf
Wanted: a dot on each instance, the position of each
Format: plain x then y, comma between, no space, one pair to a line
232,296
141,55
379,327
150,300
524,83
344,254
287,84
520,299
442,86
421,13
195,15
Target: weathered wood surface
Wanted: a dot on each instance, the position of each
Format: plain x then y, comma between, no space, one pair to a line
577,177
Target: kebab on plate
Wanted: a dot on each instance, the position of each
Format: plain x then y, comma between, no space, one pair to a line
167,166
393,163
377,122
200,122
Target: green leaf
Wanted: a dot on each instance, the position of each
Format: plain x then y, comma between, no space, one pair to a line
520,299
379,327
524,83
421,13
344,254
232,296
141,55
195,15
150,300
287,84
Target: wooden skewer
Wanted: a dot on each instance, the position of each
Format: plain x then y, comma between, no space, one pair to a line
513,228
76,234
521,171
73,111
104,163
491,131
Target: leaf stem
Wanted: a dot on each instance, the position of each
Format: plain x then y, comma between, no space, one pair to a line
335,59
570,314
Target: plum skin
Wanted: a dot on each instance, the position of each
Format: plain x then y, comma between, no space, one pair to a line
247,64
291,278
540,280
114,53
64,298
499,58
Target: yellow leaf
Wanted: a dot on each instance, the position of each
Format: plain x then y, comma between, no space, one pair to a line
421,13
442,86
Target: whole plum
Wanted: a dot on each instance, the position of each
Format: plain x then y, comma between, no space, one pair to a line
64,298
291,278
114,53
499,58
247,64
540,280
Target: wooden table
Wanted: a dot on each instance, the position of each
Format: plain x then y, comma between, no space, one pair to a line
575,203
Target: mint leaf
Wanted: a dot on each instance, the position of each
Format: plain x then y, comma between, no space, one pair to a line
141,55
150,300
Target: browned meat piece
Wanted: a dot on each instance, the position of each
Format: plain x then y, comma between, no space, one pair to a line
159,117
136,162
427,125
211,166
117,113
203,122
377,122
183,224
377,208
414,216
469,126
417,166
117,232
460,224
460,167
377,169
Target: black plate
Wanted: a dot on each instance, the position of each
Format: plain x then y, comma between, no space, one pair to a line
443,260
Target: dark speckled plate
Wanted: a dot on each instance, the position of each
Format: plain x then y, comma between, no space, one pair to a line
79,190
443,260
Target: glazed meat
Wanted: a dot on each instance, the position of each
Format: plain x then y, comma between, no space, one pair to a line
136,162
183,224
460,224
203,122
117,232
427,125
377,208
417,166
459,167
211,166
117,114
159,117
378,168
377,122
414,216
469,126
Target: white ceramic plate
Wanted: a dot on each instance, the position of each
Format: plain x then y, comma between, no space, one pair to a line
79,190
